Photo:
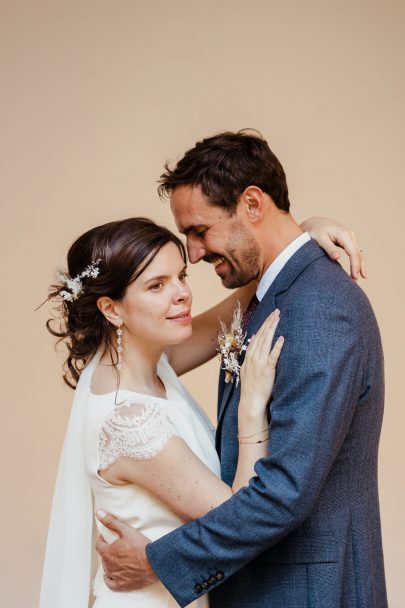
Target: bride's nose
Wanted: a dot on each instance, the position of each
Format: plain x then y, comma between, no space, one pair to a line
182,293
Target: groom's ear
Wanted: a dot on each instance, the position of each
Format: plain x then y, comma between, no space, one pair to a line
252,203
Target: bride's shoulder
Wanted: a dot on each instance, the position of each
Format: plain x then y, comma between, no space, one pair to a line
137,428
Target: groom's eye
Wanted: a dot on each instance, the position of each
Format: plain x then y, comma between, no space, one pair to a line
201,233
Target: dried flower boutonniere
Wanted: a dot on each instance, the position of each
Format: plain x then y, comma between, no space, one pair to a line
231,345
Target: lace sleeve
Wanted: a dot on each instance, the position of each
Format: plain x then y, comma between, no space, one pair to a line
133,430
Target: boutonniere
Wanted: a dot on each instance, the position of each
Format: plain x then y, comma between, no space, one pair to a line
231,345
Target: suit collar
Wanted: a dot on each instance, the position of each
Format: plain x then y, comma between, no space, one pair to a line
306,254
277,265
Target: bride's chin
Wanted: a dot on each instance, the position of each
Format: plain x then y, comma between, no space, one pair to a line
181,335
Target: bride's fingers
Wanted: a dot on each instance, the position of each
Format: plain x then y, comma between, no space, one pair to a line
265,337
255,341
268,336
260,344
262,332
363,270
347,240
276,350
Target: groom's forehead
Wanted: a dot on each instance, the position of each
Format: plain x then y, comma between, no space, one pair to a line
190,208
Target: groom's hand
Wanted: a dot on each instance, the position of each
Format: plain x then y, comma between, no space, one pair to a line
125,563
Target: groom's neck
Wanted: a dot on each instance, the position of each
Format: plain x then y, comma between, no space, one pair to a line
277,234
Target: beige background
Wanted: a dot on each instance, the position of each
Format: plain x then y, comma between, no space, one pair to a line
95,96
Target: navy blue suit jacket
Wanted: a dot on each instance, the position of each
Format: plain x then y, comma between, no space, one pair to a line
306,531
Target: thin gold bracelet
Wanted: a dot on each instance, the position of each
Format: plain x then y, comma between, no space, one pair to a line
260,441
254,434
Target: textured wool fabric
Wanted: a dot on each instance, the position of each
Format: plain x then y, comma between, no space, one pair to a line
306,531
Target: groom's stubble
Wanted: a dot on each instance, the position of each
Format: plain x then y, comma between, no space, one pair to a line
242,253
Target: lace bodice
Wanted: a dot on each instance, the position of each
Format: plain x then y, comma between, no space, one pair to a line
134,430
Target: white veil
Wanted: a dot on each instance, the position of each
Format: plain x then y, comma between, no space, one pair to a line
67,568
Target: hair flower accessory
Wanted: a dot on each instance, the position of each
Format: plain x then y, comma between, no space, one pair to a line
231,345
74,285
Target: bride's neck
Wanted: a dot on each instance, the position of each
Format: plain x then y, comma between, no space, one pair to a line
139,367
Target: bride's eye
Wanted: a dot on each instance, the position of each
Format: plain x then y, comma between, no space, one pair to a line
156,286
183,276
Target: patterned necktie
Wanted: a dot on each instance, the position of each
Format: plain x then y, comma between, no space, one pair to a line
249,312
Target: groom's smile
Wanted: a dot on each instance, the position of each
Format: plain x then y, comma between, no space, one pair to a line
215,236
216,261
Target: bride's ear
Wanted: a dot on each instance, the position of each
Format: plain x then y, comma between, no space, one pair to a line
108,308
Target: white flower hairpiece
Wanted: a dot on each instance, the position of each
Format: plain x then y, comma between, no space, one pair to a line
75,285
230,346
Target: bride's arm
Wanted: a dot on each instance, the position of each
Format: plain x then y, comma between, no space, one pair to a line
202,345
175,475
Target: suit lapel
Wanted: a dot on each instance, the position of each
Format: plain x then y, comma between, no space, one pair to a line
294,267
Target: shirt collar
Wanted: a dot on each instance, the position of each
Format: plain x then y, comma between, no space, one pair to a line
278,264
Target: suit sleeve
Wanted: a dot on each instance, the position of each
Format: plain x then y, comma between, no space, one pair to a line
318,385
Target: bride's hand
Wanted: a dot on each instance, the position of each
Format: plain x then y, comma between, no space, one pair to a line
258,370
333,237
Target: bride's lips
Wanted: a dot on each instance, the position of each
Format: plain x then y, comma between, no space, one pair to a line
182,317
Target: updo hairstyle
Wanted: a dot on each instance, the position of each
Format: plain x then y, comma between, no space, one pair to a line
123,249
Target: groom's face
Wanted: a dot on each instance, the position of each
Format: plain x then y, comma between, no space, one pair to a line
213,235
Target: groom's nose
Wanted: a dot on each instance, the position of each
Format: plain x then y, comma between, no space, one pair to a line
196,251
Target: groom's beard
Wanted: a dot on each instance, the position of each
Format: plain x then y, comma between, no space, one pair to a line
242,259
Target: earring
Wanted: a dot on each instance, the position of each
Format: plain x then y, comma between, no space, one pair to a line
120,349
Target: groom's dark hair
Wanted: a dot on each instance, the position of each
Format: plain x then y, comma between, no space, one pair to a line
225,165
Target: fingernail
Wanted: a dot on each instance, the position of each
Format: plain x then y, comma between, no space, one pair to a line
101,514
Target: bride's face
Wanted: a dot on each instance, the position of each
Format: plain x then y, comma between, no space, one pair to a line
156,306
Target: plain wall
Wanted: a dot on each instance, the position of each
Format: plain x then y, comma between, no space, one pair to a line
96,95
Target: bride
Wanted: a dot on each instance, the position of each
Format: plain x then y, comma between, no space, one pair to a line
138,445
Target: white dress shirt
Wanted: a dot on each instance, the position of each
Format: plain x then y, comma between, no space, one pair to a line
278,264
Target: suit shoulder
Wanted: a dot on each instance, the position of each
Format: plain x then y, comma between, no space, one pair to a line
325,281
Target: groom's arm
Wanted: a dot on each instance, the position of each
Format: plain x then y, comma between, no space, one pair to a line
318,385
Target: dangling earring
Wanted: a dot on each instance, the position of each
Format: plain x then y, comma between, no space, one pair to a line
120,350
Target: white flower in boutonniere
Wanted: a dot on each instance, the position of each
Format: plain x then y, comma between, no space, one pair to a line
231,345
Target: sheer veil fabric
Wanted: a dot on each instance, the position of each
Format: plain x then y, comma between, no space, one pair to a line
66,575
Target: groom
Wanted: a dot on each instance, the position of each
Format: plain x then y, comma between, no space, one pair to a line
306,532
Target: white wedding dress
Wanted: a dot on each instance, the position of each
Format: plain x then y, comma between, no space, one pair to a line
101,429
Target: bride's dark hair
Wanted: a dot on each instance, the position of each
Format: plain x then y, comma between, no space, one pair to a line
123,249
